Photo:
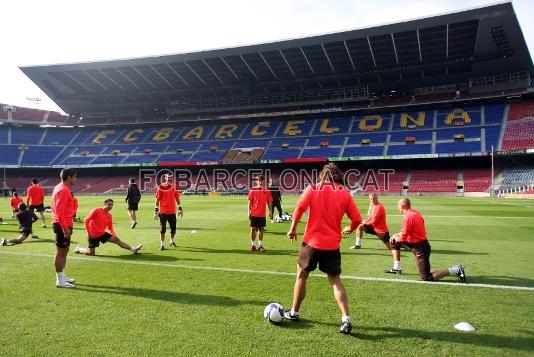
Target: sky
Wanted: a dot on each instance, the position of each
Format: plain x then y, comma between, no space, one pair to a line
37,32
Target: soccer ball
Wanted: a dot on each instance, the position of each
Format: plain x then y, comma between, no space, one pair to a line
274,313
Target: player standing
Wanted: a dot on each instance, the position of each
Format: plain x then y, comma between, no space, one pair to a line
327,201
14,203
62,211
277,200
376,224
413,237
258,197
132,198
99,227
35,199
167,196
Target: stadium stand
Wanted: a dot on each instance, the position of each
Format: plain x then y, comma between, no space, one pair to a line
433,181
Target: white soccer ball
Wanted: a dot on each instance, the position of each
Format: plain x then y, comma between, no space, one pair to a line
278,219
274,313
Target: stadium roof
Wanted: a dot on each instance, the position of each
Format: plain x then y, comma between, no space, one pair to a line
443,49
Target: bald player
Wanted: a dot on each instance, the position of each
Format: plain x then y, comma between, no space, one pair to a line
413,237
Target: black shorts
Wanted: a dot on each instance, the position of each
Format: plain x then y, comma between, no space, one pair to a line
95,242
61,241
38,208
384,237
163,219
329,260
25,230
421,251
257,222
133,206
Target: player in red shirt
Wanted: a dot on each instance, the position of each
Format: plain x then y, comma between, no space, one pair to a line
413,237
258,197
62,207
376,224
99,227
327,201
14,203
35,199
167,196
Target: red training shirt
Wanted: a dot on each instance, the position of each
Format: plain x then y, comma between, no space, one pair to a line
167,195
74,204
35,195
327,204
378,218
15,201
62,206
98,222
413,227
258,198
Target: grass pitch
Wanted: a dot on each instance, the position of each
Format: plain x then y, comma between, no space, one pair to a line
207,296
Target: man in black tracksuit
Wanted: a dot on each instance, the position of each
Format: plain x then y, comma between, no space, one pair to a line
26,218
132,198
277,199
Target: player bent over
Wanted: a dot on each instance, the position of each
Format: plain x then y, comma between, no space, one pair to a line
99,227
26,219
413,237
376,224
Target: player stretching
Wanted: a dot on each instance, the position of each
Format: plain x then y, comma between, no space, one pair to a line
167,196
327,202
26,218
62,211
376,224
413,237
35,199
99,227
257,198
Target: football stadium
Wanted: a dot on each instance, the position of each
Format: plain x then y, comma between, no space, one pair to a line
431,119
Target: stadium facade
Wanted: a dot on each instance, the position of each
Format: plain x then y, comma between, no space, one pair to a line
437,93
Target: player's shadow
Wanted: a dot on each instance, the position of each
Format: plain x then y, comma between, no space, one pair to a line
500,280
237,251
38,240
456,252
149,257
175,297
377,333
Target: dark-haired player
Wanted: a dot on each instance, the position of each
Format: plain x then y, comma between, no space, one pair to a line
327,201
167,197
99,227
26,218
132,199
62,211
14,203
258,197
35,199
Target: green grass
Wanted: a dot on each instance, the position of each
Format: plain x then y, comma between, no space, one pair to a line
167,303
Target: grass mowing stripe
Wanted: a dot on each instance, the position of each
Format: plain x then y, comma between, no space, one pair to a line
268,272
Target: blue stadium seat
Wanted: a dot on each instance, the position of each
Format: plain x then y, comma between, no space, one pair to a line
9,154
419,135
494,113
454,147
408,149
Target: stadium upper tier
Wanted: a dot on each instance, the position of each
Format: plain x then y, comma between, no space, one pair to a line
445,130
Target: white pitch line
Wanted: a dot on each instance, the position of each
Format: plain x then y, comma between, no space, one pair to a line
269,272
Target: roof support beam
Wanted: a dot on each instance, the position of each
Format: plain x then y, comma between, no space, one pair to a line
371,49
212,71
146,79
230,68
420,53
78,82
287,63
195,73
128,79
328,58
350,57
267,64
306,58
111,79
178,75
97,82
160,76
250,69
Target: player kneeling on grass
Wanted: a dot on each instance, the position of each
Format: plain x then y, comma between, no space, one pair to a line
99,227
413,237
26,218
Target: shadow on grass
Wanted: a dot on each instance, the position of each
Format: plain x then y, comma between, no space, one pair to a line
176,297
149,257
458,252
476,339
237,251
500,280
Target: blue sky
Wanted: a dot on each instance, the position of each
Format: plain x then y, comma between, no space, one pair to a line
34,32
